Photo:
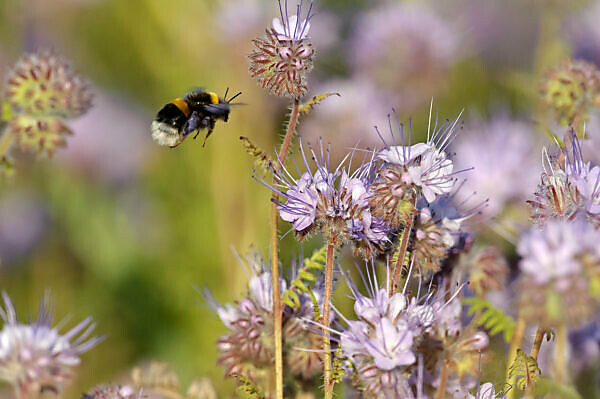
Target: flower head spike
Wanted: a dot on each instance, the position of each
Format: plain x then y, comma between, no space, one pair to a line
113,392
281,60
410,172
35,356
44,92
335,202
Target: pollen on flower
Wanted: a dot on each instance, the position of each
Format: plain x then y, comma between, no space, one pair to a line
281,59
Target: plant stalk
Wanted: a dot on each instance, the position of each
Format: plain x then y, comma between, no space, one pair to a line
277,310
560,355
441,393
537,343
326,310
515,343
402,248
5,143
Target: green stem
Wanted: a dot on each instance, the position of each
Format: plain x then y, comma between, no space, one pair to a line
5,143
402,248
277,309
326,309
515,343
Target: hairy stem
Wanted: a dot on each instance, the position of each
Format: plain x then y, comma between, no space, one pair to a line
326,308
441,393
560,355
537,343
277,310
515,343
402,248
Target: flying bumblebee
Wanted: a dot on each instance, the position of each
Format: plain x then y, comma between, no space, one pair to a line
197,110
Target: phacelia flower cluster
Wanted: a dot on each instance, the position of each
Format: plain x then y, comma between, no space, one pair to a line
281,59
248,349
334,202
44,92
560,269
569,186
36,356
399,343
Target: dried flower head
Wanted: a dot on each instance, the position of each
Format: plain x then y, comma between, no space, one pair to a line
487,269
281,59
334,202
571,90
34,357
43,92
398,343
560,267
410,172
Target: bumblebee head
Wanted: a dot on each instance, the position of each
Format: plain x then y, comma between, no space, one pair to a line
221,109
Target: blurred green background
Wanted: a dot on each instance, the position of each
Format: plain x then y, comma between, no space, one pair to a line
123,230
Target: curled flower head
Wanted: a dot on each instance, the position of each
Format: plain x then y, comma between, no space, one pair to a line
571,90
560,268
410,172
247,350
438,227
335,202
398,341
44,92
36,356
281,59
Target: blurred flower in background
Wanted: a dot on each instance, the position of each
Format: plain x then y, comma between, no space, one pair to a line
406,50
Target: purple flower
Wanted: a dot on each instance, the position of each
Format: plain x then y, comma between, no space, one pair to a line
335,202
35,355
554,252
504,169
392,345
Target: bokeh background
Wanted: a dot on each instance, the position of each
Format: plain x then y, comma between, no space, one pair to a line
121,229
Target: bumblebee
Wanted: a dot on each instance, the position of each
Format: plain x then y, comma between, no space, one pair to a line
194,112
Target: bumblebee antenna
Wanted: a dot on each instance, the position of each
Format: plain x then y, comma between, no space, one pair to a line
234,97
225,96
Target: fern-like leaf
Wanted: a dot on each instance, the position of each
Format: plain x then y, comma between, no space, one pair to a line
248,386
261,160
305,279
490,317
308,106
523,370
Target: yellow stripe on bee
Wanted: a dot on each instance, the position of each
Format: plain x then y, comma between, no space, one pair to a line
182,105
214,99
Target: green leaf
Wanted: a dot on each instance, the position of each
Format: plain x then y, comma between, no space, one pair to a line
261,160
308,106
546,385
489,317
305,278
248,386
524,370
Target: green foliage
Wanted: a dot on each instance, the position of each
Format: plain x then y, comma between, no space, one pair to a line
523,370
261,160
493,319
308,106
547,385
249,387
306,277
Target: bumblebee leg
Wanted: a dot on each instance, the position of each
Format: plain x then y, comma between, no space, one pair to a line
191,124
210,130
